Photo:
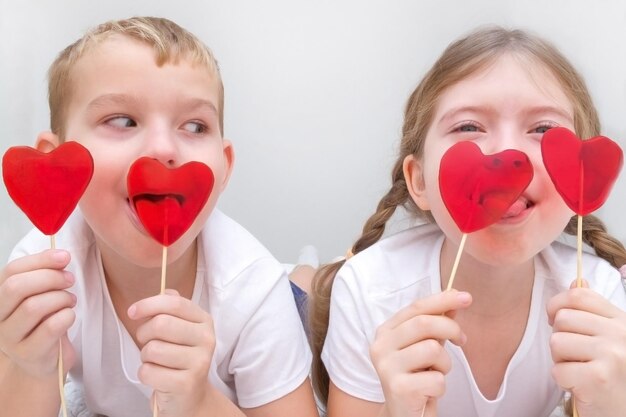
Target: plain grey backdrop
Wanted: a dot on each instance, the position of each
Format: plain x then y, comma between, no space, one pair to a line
315,92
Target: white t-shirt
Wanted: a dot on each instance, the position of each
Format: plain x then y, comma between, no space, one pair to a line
261,351
376,283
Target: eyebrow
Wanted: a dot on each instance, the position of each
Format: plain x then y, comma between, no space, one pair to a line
125,99
491,110
200,104
112,99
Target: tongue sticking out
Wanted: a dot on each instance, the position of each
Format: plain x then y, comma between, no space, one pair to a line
516,208
161,214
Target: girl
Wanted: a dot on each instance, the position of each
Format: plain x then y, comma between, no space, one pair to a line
519,336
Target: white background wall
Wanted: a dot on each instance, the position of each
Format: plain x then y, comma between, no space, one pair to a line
314,93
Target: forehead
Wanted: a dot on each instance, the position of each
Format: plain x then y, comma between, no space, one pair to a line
123,63
509,83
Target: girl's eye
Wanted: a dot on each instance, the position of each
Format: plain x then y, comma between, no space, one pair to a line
195,127
467,127
121,122
542,129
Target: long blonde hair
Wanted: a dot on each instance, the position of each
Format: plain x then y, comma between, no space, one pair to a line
169,41
460,60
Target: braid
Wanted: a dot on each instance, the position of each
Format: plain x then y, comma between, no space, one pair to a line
323,280
375,226
595,235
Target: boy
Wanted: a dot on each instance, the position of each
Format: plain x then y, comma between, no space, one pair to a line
226,334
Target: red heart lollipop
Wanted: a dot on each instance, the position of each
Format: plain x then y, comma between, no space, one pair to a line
167,201
47,186
583,171
479,189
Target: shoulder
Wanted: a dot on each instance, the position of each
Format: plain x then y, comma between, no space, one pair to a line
75,236
232,252
398,260
558,264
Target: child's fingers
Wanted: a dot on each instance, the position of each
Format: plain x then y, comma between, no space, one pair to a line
436,304
572,347
566,374
165,354
162,379
48,259
176,330
423,327
19,287
173,356
414,390
33,311
427,355
583,299
578,321
38,352
173,305
48,333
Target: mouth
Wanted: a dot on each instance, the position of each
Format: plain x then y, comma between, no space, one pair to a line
517,208
158,198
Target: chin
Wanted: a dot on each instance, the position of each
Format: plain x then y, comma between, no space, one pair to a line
501,254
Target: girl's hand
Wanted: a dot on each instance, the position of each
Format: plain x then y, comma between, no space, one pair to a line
36,312
588,347
409,356
177,343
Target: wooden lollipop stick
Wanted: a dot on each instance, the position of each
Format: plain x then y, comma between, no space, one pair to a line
579,267
579,279
62,380
163,269
456,262
60,363
155,408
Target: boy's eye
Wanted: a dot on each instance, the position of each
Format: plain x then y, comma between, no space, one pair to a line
195,127
121,122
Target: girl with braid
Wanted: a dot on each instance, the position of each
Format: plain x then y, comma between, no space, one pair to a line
514,336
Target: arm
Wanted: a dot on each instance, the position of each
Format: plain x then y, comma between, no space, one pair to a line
35,313
23,395
297,403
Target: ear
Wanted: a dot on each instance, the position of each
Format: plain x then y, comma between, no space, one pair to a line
229,161
46,142
414,177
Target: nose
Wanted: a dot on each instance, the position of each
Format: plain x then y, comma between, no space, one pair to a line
161,145
502,139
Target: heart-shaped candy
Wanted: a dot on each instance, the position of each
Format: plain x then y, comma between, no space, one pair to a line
47,186
479,189
166,200
583,171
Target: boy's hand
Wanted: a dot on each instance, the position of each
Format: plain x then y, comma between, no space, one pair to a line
588,347
409,356
177,343
36,312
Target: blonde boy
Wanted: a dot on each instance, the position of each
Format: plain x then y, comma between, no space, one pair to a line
226,338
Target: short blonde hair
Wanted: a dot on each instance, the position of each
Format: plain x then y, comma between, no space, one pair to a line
170,42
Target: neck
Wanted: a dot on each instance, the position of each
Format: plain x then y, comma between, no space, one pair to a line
130,282
496,289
